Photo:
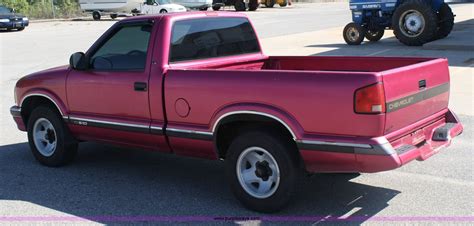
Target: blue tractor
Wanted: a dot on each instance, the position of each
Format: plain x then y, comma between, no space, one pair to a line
414,22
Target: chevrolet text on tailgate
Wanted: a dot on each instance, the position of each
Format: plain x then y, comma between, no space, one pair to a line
198,84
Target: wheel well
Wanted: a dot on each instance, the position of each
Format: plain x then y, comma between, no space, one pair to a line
31,103
230,127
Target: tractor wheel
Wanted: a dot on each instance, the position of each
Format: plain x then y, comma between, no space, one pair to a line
445,21
269,3
216,7
374,36
240,5
354,34
284,3
414,23
253,5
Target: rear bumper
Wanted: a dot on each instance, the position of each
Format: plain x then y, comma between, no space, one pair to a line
15,111
418,141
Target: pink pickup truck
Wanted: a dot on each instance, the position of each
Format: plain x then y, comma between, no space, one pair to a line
198,84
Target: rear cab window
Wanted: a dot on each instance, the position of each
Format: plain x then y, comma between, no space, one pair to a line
211,38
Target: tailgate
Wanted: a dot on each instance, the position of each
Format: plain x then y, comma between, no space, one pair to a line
415,92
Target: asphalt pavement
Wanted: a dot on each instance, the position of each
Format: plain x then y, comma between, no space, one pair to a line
108,184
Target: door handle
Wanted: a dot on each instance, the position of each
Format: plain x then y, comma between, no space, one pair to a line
422,84
140,86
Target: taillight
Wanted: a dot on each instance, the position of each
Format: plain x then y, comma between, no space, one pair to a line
370,99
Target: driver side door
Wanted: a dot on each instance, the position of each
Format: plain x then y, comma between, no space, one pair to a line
109,101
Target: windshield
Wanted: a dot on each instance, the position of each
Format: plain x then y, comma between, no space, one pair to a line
163,2
4,10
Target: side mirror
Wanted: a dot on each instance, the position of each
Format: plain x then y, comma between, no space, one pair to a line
78,61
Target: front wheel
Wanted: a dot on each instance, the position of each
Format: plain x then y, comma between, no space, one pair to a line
163,11
49,139
263,170
216,7
374,36
353,34
269,3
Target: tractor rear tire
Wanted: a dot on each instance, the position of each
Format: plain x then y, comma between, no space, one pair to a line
269,3
240,5
354,33
374,36
445,21
420,19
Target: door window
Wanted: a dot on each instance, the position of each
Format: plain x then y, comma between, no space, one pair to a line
126,49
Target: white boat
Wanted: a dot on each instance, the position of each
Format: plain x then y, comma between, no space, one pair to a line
116,8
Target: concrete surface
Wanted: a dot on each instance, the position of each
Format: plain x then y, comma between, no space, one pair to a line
109,184
461,38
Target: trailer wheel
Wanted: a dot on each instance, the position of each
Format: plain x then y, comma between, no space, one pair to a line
374,36
445,21
239,5
96,15
354,34
216,7
253,5
269,3
414,23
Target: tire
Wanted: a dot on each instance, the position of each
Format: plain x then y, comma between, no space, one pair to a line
414,23
113,16
269,3
21,29
353,33
203,9
445,21
57,147
96,15
284,4
253,5
239,6
216,7
374,36
163,11
272,149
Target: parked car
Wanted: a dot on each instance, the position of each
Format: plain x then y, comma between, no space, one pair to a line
195,4
9,19
159,6
197,84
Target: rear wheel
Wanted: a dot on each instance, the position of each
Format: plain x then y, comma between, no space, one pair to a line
239,5
374,36
216,7
21,29
284,3
49,139
445,21
269,3
253,5
163,11
354,34
113,16
263,170
414,23
96,15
